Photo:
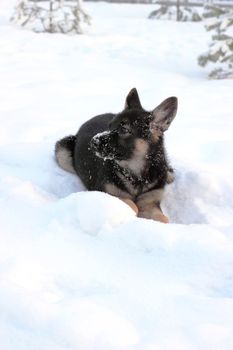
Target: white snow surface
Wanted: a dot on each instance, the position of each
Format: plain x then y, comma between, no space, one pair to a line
78,270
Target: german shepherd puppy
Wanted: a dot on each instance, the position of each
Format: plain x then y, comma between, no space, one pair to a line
123,154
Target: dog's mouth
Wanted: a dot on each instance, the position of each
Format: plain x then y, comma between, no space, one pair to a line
104,156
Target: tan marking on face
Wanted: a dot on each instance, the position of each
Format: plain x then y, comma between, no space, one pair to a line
155,134
141,146
137,162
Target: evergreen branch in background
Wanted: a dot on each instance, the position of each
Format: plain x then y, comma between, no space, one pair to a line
177,13
52,16
220,21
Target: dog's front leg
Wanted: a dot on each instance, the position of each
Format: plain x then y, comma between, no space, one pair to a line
149,206
124,196
131,204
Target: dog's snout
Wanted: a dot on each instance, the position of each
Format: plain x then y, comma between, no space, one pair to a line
95,142
100,139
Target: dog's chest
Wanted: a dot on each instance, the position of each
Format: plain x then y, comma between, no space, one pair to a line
144,171
135,184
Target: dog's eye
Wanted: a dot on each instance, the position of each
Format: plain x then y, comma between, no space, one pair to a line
124,129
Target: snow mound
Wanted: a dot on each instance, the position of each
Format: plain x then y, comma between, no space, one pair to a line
78,270
93,211
199,198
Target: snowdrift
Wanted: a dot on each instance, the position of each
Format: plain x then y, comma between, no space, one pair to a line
78,270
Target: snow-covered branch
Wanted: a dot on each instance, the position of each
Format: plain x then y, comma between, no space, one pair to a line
51,16
220,21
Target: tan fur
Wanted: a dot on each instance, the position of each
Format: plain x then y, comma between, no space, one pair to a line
146,206
149,206
154,196
170,177
117,192
151,211
131,204
128,184
124,196
155,134
137,162
64,159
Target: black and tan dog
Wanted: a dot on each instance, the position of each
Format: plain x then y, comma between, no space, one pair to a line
123,154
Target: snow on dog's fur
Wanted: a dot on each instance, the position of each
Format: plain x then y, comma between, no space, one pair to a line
123,154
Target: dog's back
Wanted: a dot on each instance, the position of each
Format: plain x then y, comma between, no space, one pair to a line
73,153
91,169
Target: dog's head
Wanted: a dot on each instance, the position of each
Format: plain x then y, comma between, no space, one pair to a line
134,127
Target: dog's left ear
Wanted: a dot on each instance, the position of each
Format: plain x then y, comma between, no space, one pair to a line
163,115
132,99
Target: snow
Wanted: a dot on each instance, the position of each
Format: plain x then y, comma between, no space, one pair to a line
78,270
66,16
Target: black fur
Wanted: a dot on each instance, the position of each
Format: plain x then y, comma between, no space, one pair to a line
125,150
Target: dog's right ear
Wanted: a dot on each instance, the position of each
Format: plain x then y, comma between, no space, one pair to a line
164,114
132,99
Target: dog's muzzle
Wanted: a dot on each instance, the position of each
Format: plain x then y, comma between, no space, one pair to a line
100,144
95,142
103,145
100,140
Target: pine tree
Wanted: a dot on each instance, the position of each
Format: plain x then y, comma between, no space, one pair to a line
220,21
53,16
178,13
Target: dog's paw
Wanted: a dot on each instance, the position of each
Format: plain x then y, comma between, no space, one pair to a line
161,217
153,213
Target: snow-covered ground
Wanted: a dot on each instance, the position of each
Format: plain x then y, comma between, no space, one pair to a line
78,270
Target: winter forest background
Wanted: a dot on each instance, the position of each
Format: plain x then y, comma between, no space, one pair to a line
78,270
66,16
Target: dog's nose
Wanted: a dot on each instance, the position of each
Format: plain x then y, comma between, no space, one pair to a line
95,142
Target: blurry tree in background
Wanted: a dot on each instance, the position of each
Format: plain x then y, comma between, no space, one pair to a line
53,16
220,21
180,12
